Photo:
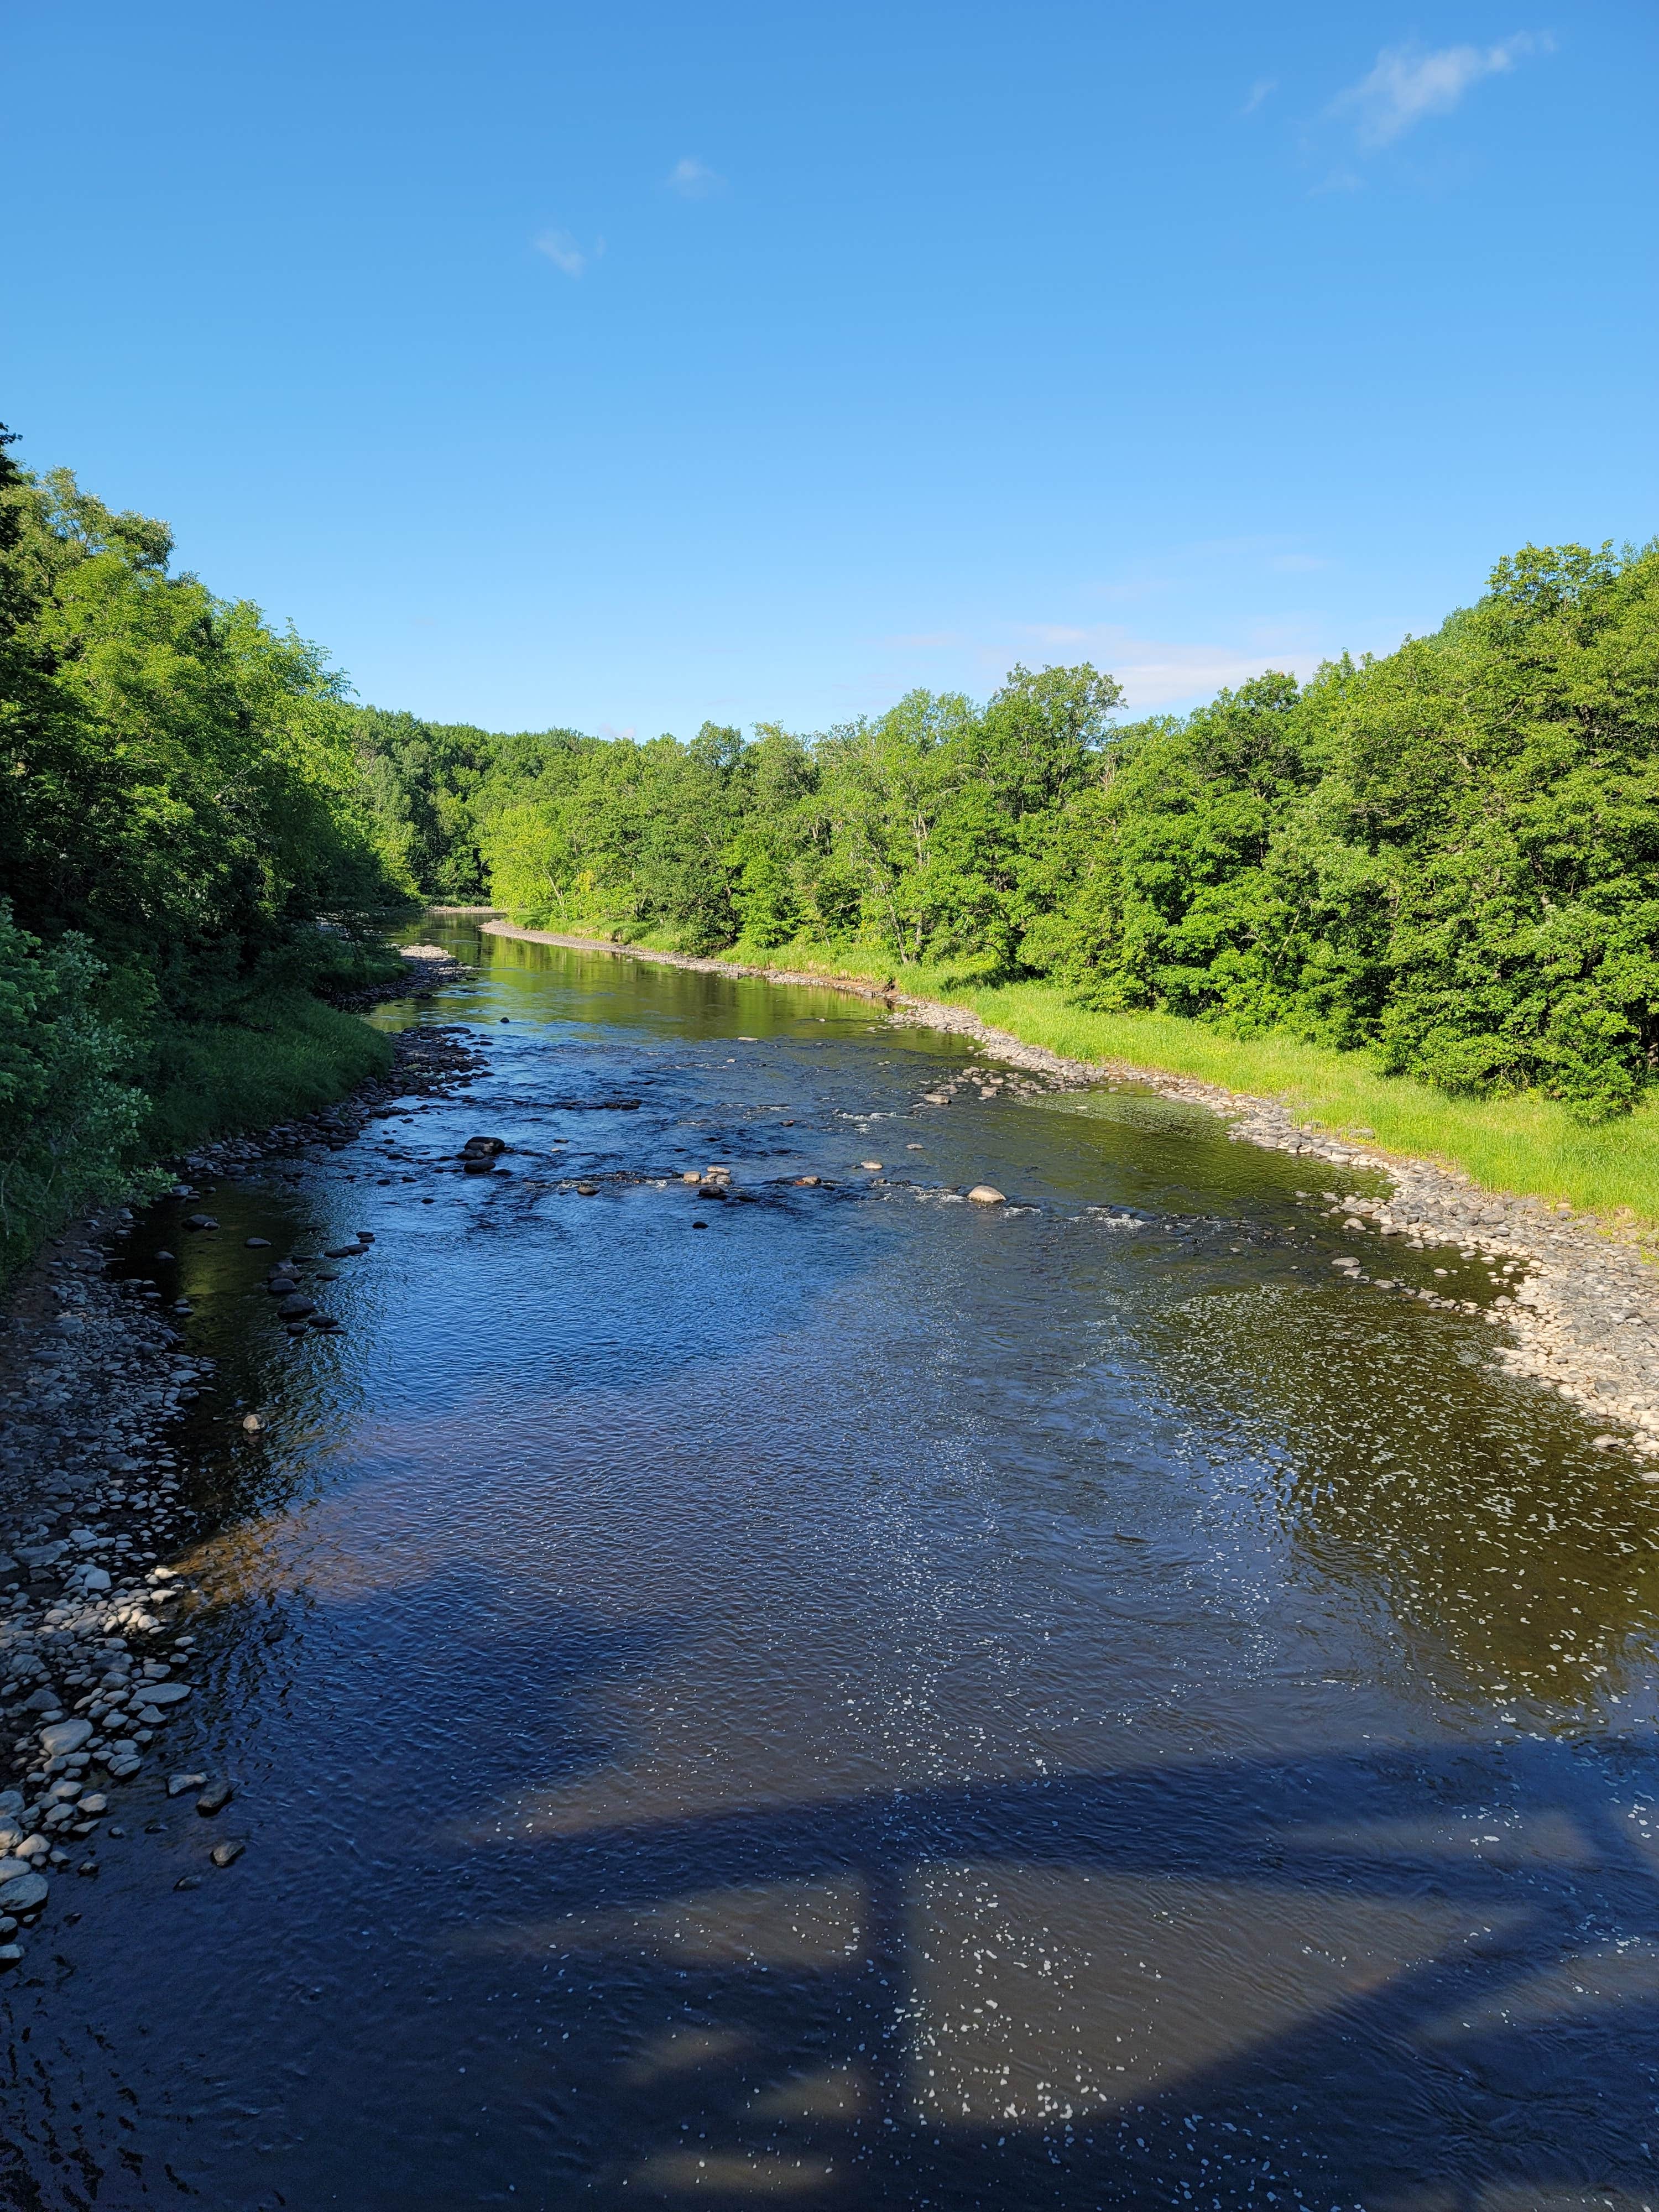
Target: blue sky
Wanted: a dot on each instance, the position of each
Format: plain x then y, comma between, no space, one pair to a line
625,365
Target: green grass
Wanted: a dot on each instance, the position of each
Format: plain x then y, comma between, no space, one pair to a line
286,1055
1528,1146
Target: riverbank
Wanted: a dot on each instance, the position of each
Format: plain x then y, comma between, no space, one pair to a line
1585,1316
95,1379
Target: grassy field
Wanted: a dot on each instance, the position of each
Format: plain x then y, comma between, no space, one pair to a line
1527,1146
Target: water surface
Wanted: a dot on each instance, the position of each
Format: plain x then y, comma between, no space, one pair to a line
868,1701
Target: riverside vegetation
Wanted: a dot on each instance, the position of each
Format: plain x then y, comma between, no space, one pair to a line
181,812
1417,895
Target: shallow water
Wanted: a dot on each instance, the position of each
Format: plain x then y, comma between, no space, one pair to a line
870,1701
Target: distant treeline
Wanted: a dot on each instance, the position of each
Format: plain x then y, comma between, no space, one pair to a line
180,805
1449,856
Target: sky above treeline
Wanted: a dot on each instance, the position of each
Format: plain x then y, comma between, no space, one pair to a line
626,366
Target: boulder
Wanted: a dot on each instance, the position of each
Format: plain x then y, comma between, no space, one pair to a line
985,1194
64,1736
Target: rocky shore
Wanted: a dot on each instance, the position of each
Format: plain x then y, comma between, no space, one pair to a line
1578,1294
97,1641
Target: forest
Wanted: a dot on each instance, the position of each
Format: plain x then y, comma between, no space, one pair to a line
1445,859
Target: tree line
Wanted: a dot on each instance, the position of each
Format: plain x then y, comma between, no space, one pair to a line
1447,856
181,805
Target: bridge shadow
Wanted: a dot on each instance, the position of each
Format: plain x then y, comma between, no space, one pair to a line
1424,1980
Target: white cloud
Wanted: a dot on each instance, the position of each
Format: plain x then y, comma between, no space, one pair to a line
1259,92
562,251
693,179
1406,83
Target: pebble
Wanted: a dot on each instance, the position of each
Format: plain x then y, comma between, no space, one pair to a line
11,1955
179,1783
214,1798
228,1852
24,1893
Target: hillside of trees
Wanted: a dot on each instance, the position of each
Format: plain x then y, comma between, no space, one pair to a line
1448,857
180,805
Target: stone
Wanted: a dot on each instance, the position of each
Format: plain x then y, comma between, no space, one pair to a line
985,1194
25,1892
228,1852
253,1423
165,1693
65,1736
477,1144
214,1799
13,1868
587,1191
95,1803
11,1955
188,1881
802,1183
874,1166
297,1308
258,1243
179,1783
93,1578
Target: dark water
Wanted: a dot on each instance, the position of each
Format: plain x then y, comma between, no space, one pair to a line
870,1702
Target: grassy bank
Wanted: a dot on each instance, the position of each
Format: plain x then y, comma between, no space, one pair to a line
284,1056
1527,1146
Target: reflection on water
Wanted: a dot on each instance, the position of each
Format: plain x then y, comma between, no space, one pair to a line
867,1701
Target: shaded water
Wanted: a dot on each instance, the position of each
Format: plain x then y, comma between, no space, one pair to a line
872,1701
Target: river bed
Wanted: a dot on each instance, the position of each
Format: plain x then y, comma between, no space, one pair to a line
831,1693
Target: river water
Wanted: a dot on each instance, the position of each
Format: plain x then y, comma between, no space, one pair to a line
872,1700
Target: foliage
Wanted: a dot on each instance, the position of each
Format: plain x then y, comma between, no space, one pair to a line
181,803
70,1123
1448,857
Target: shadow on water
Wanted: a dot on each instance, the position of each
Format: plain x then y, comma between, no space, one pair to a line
866,1703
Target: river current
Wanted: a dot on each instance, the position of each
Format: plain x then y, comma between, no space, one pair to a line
840,1697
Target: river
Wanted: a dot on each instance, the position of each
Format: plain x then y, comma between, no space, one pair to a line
839,1696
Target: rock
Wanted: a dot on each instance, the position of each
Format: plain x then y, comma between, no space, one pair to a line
344,1252
179,1783
874,1166
690,1175
12,1868
123,1767
214,1798
93,1803
985,1194
478,1163
253,1423
165,1693
93,1578
200,1221
802,1183
11,1955
474,1145
258,1243
65,1736
297,1308
1605,1444
188,1881
587,1191
25,1892
228,1852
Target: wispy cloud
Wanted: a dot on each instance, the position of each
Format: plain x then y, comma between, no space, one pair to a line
1259,91
1407,84
562,251
693,179
1155,672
